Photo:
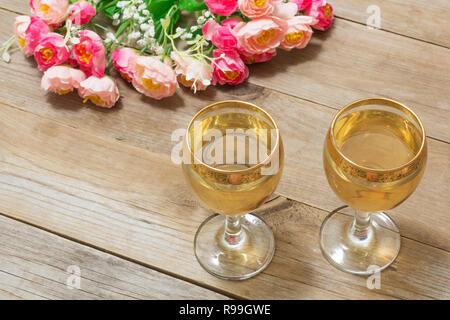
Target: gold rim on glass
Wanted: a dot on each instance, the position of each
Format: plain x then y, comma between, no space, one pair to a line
414,162
239,103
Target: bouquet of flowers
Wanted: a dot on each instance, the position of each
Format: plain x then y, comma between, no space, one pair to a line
158,44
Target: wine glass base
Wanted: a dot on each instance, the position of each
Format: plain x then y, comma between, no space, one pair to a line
362,257
238,262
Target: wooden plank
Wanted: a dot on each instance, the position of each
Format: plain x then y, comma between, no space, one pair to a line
34,265
413,18
350,62
148,124
347,63
428,22
117,197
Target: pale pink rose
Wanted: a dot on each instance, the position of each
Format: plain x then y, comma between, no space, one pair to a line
231,22
102,92
37,28
258,57
298,33
285,10
323,12
229,68
192,73
81,12
302,4
260,35
62,79
21,24
256,8
122,59
222,7
51,11
153,77
90,53
51,51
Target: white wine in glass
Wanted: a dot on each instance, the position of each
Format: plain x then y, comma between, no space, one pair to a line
233,161
374,157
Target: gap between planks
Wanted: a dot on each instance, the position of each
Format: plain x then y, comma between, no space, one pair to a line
126,258
335,16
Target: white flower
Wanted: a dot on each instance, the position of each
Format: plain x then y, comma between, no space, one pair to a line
207,14
115,22
201,20
146,12
116,16
141,43
122,4
145,26
180,30
194,28
159,50
134,35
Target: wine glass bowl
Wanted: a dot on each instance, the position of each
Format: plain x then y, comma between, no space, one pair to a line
374,157
233,161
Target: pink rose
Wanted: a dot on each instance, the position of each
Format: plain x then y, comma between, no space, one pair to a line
102,92
222,7
224,39
153,77
51,11
209,28
323,12
90,53
192,73
231,22
260,35
285,10
122,59
228,68
81,12
33,34
21,24
256,8
298,33
258,57
51,51
62,79
302,4
220,36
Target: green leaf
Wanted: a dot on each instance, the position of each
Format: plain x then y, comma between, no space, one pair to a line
110,11
159,8
192,5
122,28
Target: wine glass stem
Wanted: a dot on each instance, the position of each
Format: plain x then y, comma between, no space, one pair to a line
234,234
360,229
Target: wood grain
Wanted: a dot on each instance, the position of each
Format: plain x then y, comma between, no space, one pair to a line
350,62
428,22
117,197
413,18
148,124
101,176
34,263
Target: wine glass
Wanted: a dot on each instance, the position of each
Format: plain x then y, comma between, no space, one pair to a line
374,157
233,160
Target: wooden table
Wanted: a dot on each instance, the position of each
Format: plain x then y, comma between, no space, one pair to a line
96,188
